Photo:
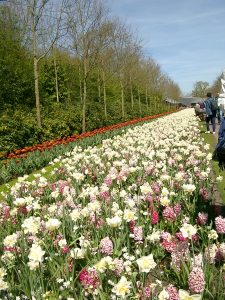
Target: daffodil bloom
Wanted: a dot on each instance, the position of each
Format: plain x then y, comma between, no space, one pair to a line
122,288
184,295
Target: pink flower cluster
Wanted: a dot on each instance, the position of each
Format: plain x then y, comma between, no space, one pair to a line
119,267
89,279
170,213
138,234
196,280
173,292
220,224
106,246
202,218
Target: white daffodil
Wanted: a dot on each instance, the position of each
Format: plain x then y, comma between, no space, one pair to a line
184,295
188,230
52,224
122,288
146,263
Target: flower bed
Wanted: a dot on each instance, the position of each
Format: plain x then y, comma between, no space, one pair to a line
18,153
127,220
24,161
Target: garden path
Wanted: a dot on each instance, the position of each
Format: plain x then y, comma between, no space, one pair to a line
218,201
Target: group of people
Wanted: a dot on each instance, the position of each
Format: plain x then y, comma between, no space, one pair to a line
212,111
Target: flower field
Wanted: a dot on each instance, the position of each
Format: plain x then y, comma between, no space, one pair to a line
129,219
26,160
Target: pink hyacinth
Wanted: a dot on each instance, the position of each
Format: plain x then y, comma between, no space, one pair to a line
122,176
98,222
169,214
202,218
222,249
169,245
131,226
155,217
179,252
106,246
146,293
156,188
220,224
5,213
171,161
119,267
196,280
177,209
176,260
204,193
89,279
105,195
65,249
138,233
63,186
180,236
149,170
108,181
149,198
173,292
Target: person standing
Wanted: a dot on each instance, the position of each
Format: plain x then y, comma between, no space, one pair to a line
218,112
219,152
210,113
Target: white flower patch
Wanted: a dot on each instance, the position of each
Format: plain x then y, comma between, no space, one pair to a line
136,189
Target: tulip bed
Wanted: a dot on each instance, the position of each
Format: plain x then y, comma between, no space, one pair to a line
129,219
25,161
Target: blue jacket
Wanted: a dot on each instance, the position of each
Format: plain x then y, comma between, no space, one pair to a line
221,134
208,106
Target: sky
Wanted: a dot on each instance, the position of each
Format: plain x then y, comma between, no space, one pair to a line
186,37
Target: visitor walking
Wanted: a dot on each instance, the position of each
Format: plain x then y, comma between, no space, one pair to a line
219,112
210,110
219,152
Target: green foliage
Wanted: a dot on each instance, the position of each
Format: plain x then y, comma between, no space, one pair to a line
50,72
200,89
16,75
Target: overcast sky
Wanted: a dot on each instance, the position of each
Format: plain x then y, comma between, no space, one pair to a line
186,37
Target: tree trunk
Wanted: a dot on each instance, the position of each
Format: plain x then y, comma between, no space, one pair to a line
37,94
56,79
122,99
99,87
139,101
104,94
131,95
84,97
80,85
36,72
146,97
84,106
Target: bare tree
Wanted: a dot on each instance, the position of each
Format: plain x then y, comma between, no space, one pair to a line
122,46
85,19
41,20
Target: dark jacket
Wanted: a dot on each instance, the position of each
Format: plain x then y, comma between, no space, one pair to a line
208,106
221,134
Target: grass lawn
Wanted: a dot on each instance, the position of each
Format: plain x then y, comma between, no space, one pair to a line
212,141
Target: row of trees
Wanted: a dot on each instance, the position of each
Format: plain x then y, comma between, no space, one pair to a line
72,55
202,87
